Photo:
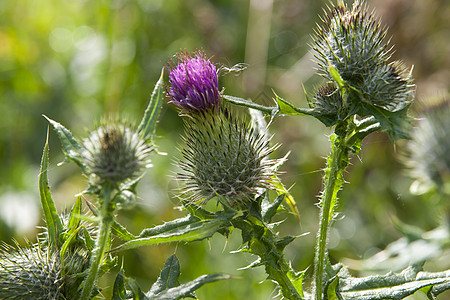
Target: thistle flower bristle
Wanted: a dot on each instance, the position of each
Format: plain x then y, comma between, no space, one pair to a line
224,157
193,82
115,152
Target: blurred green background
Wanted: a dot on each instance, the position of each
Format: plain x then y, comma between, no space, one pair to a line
76,61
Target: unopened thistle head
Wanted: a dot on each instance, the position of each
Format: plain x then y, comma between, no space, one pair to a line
429,149
32,273
193,83
352,41
351,52
389,87
224,157
328,105
115,152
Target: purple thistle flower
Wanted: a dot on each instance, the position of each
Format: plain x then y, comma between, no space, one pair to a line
194,83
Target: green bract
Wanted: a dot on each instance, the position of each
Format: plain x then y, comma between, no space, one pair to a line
30,273
224,157
328,105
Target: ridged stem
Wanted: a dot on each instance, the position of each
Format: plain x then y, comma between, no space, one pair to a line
103,240
263,243
336,163
280,273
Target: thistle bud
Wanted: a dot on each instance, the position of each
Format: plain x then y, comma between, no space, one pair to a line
37,274
429,148
115,152
224,157
194,83
351,52
351,41
328,105
390,87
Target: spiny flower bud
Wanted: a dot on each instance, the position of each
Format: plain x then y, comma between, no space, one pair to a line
429,149
328,105
224,157
351,52
115,152
389,87
32,273
194,83
350,41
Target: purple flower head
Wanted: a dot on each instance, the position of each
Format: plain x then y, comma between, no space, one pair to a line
194,82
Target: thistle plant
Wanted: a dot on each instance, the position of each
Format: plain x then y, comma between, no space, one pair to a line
353,56
53,267
113,157
363,92
225,157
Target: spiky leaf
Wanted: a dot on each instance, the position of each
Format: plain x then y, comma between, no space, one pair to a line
169,226
261,241
168,277
151,114
269,209
271,111
119,291
389,286
121,232
72,149
185,290
75,216
187,233
54,224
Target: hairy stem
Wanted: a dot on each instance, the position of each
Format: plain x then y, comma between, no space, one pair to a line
103,239
336,163
265,244
282,275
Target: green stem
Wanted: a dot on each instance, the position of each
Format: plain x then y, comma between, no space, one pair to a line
103,240
280,275
265,244
336,163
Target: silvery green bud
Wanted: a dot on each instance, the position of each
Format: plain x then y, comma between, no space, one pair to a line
389,87
328,105
224,157
352,41
32,273
351,52
115,152
429,149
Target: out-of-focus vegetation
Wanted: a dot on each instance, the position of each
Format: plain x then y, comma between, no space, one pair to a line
75,61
